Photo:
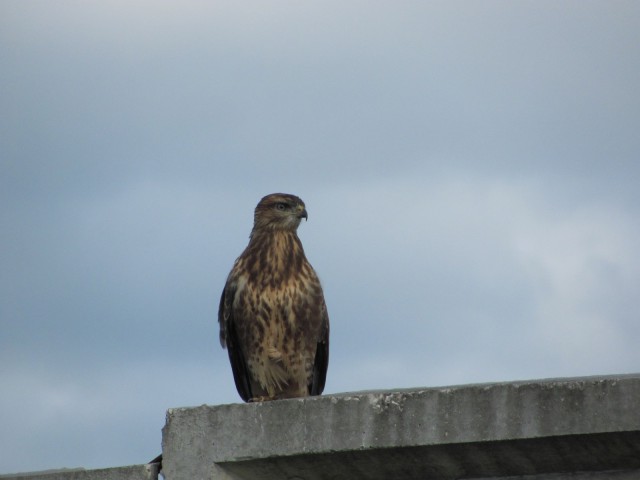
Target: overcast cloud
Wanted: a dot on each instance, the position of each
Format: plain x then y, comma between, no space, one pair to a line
471,172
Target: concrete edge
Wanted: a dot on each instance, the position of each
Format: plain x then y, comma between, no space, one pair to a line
148,471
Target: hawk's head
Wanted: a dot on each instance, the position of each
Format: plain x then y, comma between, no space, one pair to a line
279,211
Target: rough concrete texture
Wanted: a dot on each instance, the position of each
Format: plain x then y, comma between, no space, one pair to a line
135,472
604,475
549,428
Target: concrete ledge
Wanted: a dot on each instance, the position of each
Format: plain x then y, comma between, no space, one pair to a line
548,427
134,472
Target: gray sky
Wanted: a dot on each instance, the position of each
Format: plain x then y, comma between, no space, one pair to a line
471,172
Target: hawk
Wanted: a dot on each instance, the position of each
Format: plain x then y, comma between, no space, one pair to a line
273,317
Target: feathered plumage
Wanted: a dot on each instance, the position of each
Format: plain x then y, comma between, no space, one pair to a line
273,318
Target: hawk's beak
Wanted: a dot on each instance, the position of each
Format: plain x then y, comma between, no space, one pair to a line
303,214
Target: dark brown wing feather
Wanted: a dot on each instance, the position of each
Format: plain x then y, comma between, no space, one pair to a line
229,339
321,361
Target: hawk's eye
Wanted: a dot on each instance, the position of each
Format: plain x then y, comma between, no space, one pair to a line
281,206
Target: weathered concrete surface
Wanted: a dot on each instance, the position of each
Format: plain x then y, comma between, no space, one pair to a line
556,426
605,475
134,472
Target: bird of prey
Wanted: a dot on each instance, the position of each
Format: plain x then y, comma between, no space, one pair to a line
273,317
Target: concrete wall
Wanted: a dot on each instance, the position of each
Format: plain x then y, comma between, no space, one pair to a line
490,430
581,428
135,472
